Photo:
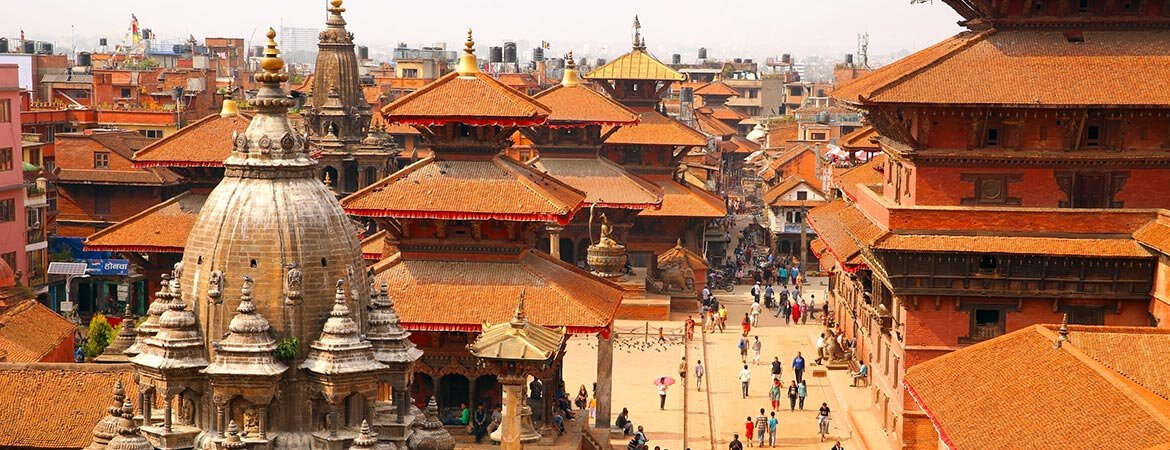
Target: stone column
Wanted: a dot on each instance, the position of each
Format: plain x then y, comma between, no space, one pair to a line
335,415
264,422
548,388
148,405
167,416
513,387
220,418
402,403
603,392
554,239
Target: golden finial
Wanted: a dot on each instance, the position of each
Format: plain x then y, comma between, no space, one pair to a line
336,9
1063,333
328,181
271,61
468,66
520,318
230,109
570,79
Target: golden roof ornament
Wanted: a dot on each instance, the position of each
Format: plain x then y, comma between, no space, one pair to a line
335,7
1063,333
468,65
639,42
271,62
570,79
230,108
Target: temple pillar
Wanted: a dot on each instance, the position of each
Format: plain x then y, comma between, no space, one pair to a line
220,418
167,413
335,415
148,405
264,422
554,239
510,422
548,389
471,382
402,403
603,392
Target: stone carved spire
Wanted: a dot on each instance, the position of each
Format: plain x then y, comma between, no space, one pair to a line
366,439
391,342
107,428
337,103
270,147
247,349
233,441
128,437
431,435
341,349
116,351
177,345
639,41
150,327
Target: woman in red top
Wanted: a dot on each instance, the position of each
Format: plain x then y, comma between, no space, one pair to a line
750,426
747,324
795,312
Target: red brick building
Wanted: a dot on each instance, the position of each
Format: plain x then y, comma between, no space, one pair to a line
98,184
1014,178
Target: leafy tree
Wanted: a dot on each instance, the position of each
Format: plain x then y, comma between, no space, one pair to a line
100,335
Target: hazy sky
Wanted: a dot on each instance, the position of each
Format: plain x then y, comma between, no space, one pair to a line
728,28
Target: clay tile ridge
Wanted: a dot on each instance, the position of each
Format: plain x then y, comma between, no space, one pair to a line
112,239
579,106
161,154
860,90
475,99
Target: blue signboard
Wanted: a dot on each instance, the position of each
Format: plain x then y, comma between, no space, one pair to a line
108,267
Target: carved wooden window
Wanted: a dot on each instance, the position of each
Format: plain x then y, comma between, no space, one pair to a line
991,188
993,137
1044,133
1093,135
1091,189
1086,316
986,323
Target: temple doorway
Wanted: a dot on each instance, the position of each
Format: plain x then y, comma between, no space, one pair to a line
567,252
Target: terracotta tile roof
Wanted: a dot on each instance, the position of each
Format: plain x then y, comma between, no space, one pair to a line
55,406
635,65
844,229
725,113
461,295
860,139
498,188
779,136
716,88
696,260
684,201
391,127
712,125
867,174
604,182
582,105
744,146
372,94
1156,234
518,81
1049,397
205,143
372,246
1025,67
772,196
656,129
151,176
1106,248
30,331
478,99
162,228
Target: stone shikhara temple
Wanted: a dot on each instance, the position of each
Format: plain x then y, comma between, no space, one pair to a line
268,334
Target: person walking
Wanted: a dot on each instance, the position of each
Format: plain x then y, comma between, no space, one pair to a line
793,393
837,446
769,296
820,350
772,422
756,292
756,345
801,393
722,317
787,306
798,367
761,426
743,348
682,369
690,329
735,443
777,368
699,372
796,311
750,427
745,377
784,277
662,396
775,394
747,323
824,308
805,311
812,307
755,314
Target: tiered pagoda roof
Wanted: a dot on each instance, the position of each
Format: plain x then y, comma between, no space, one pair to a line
638,64
558,293
654,128
56,406
716,88
204,143
162,228
681,200
574,104
1028,68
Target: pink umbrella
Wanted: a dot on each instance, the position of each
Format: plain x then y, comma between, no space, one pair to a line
663,381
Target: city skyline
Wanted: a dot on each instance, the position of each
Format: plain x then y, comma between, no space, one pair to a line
665,25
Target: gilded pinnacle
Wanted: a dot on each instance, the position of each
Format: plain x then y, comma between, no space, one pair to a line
468,66
271,61
570,78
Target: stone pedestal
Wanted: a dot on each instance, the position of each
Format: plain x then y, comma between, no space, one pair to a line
607,262
328,441
510,421
179,437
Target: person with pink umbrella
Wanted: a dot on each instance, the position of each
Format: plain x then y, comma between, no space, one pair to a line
662,383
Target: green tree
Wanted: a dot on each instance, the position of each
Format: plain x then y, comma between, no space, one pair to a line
100,335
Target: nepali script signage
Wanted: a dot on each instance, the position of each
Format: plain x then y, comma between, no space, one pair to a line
108,267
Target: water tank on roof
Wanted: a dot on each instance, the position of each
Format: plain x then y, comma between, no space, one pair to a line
495,54
747,60
786,59
538,54
102,42
687,95
363,52
738,60
509,52
702,52
30,47
676,59
849,59
601,62
257,51
3,45
823,117
84,59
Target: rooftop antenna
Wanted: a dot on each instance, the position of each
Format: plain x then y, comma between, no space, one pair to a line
863,49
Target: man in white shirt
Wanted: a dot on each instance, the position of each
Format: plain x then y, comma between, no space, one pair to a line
755,314
820,349
745,376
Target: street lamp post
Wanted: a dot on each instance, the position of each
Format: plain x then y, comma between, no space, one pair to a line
803,235
69,298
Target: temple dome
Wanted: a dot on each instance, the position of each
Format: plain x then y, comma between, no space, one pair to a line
271,219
